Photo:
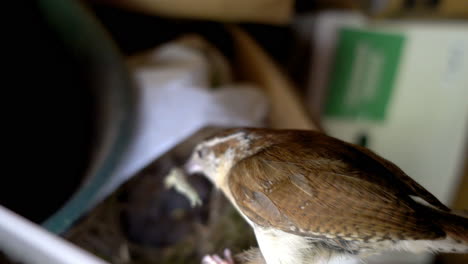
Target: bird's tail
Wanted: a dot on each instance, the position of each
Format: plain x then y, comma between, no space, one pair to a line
456,228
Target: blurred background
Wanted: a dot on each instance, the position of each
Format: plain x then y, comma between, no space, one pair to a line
109,95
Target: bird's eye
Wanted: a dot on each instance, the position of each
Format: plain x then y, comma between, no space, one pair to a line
202,153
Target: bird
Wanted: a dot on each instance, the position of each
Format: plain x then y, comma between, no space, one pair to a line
312,198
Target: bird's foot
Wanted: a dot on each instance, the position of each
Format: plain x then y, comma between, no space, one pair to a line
215,259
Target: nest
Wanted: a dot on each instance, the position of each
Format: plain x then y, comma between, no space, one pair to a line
143,222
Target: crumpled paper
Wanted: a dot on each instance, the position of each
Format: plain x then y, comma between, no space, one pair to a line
176,100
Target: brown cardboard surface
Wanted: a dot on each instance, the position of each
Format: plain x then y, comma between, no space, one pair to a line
263,11
287,110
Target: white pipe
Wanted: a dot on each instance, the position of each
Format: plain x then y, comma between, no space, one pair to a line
29,243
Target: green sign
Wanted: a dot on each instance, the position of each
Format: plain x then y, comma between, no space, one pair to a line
363,75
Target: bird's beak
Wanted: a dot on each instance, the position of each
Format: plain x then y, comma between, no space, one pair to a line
191,167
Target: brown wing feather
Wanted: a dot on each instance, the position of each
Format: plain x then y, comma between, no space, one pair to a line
416,188
327,194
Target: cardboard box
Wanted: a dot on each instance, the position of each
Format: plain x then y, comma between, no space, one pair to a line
254,65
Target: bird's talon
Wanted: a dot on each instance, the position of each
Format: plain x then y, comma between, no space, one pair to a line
218,259
208,260
215,259
228,256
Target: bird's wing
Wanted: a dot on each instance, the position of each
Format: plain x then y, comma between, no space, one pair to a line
320,195
411,185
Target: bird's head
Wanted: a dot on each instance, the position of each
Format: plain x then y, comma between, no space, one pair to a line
215,156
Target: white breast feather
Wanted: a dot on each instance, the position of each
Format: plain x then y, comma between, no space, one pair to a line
279,247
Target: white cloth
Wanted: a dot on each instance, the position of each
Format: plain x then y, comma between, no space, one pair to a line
175,101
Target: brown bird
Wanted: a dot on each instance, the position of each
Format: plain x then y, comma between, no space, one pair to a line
312,198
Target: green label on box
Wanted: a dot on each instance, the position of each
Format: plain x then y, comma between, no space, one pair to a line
363,76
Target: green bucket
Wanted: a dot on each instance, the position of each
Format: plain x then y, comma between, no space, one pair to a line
113,95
